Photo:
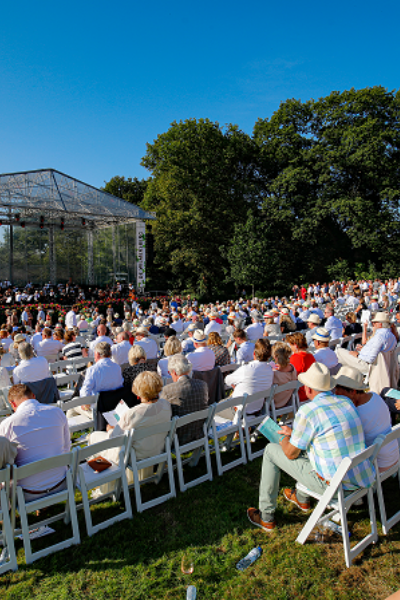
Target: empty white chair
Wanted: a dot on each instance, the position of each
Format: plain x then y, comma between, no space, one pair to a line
85,479
291,406
9,557
340,502
382,476
159,460
195,446
26,507
222,427
80,422
67,381
252,420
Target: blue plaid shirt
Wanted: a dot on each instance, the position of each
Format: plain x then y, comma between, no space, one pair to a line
328,428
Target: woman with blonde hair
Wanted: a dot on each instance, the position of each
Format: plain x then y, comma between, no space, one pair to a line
286,323
152,410
284,371
221,352
271,328
172,346
353,326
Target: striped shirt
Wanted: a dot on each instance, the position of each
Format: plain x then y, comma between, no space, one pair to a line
328,428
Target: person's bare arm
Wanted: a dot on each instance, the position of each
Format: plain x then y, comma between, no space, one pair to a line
291,452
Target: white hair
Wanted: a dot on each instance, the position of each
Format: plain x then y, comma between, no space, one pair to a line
179,364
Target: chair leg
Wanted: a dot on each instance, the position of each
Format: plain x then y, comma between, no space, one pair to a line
24,526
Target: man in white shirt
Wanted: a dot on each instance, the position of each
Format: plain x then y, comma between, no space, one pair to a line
37,337
149,346
41,431
177,323
48,346
213,325
120,350
255,331
333,324
101,337
203,358
323,353
104,375
31,368
70,319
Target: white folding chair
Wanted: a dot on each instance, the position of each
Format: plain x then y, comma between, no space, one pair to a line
5,406
229,368
67,381
85,479
222,427
387,524
79,362
60,367
196,446
355,338
159,460
9,559
340,501
291,406
80,422
334,343
51,499
252,420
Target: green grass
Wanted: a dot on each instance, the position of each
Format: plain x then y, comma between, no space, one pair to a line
141,558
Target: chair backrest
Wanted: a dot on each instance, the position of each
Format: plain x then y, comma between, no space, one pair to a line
255,402
39,466
389,437
68,404
94,449
199,415
143,432
60,366
229,368
65,379
5,477
231,403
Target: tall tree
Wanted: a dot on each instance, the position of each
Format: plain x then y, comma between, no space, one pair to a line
203,181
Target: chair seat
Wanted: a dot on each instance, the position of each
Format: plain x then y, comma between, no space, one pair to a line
93,479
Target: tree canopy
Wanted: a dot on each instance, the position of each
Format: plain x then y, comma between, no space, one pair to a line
314,192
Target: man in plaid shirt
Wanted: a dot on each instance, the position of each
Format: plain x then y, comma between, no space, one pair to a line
185,395
325,431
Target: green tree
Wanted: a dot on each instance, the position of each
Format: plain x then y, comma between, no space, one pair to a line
203,181
130,189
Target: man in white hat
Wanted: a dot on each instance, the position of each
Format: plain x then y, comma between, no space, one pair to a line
382,340
313,321
188,344
325,430
255,331
372,410
213,325
203,358
149,345
323,353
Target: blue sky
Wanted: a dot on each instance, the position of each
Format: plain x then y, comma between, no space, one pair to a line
84,85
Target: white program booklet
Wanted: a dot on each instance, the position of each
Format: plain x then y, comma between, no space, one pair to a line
113,417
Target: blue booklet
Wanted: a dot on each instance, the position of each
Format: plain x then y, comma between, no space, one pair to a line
393,394
270,429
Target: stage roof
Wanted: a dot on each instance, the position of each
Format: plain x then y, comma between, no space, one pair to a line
54,196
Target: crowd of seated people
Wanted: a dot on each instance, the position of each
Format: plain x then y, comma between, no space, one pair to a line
274,341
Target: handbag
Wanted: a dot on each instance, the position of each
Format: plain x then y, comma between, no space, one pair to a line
99,464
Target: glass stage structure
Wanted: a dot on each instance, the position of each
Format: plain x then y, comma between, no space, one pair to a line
54,228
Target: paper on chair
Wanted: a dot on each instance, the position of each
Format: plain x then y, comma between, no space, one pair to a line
393,394
113,417
37,533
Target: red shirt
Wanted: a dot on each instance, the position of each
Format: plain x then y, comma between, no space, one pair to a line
303,293
302,361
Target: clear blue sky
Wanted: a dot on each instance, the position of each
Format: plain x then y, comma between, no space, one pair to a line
84,85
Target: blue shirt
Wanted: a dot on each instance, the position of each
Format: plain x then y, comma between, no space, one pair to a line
103,376
329,428
383,340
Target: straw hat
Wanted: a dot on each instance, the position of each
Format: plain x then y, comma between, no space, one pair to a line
321,334
142,331
199,336
317,378
350,378
381,317
314,318
19,338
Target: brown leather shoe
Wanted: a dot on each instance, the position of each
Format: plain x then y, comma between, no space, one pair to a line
290,495
254,516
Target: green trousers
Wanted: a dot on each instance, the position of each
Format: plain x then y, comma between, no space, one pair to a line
300,469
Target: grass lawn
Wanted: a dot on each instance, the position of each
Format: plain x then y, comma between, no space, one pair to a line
141,558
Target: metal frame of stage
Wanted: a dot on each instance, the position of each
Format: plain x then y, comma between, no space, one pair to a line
50,199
